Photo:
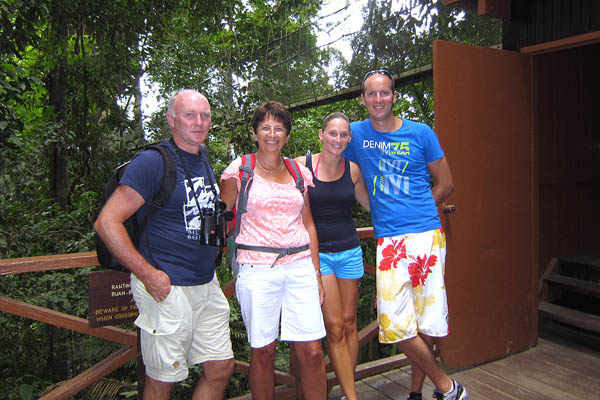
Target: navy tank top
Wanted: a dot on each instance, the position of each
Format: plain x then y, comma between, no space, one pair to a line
331,206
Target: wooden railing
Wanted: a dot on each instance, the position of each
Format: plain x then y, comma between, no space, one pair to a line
287,381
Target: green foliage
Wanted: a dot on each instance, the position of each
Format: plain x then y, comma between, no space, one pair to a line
69,114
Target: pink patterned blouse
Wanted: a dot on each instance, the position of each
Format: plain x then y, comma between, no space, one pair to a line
273,217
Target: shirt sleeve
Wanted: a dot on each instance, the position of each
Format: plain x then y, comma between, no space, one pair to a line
144,174
433,150
232,170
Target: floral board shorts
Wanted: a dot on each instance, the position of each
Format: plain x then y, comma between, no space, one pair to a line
411,295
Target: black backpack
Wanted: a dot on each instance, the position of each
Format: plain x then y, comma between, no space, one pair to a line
132,226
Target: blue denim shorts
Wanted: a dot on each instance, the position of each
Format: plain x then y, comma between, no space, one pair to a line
346,264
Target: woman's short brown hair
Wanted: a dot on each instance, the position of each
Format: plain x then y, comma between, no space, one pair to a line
275,110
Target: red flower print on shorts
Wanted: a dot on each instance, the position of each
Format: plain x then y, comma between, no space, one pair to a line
420,268
391,254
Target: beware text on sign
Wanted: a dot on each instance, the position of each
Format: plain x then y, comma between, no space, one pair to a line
110,299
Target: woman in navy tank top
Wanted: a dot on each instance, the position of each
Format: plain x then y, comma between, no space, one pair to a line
338,183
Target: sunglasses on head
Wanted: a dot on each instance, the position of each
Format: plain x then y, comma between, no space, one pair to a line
377,71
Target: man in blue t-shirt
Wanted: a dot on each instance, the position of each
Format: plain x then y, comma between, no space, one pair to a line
184,315
397,158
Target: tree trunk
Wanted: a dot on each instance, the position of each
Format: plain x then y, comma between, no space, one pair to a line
57,90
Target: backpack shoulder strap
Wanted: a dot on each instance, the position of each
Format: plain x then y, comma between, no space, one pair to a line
292,166
169,177
246,175
166,187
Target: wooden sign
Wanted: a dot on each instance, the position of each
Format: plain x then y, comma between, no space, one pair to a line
110,299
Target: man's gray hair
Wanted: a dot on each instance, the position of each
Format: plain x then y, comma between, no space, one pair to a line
173,99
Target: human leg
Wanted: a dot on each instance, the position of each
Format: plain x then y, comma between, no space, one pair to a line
420,355
262,372
165,337
212,383
349,270
313,379
302,325
156,390
211,343
417,376
349,296
410,287
337,345
259,290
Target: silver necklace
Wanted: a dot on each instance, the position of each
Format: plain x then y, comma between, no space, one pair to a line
266,170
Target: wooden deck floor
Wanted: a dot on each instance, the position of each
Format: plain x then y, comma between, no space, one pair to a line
564,365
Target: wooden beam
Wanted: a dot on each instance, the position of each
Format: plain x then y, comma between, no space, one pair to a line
400,80
570,316
378,366
228,288
10,266
364,233
281,378
563,44
587,288
91,375
367,333
67,321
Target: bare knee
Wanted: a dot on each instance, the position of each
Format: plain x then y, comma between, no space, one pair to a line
219,370
265,356
335,331
350,324
155,389
310,354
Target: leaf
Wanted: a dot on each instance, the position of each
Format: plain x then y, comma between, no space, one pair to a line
26,391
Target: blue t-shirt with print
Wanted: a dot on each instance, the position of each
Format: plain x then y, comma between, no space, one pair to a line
394,167
174,231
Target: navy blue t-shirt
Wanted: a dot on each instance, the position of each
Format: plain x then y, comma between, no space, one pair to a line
174,231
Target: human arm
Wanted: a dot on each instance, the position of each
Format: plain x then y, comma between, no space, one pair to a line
360,189
229,192
440,171
309,224
122,204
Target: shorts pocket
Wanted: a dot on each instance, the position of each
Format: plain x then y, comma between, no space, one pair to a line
163,318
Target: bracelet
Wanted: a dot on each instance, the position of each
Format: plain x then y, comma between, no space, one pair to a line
318,272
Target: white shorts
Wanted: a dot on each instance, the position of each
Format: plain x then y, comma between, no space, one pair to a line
289,291
189,327
411,295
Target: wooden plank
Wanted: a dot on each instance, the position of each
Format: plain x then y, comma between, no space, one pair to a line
577,285
546,376
281,378
402,79
67,321
387,387
10,266
563,44
91,375
571,317
483,385
550,269
381,365
570,357
228,288
364,233
368,333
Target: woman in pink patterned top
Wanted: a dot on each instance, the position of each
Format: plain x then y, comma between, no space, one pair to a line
271,288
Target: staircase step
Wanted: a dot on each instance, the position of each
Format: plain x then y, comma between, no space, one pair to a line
570,316
576,285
